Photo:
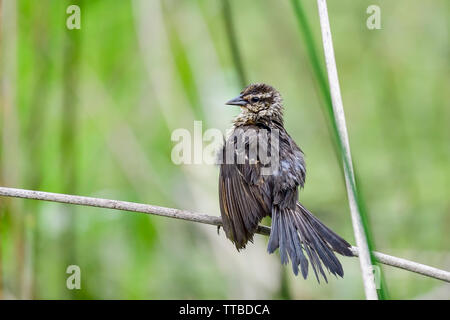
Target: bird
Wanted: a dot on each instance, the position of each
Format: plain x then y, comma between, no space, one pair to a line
251,187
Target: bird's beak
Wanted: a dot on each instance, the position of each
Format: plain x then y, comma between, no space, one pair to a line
238,101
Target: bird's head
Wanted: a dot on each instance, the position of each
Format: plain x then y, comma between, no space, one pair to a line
258,101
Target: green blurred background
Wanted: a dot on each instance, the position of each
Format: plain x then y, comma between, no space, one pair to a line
91,112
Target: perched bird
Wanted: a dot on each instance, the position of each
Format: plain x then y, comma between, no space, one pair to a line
251,187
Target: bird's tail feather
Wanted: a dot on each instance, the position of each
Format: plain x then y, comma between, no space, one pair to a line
298,233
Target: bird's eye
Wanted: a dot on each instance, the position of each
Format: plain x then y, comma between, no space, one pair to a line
255,99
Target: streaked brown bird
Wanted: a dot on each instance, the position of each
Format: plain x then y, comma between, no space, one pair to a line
251,187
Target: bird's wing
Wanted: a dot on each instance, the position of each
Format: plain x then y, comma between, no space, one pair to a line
245,198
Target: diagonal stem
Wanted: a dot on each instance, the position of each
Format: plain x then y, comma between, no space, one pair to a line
200,218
